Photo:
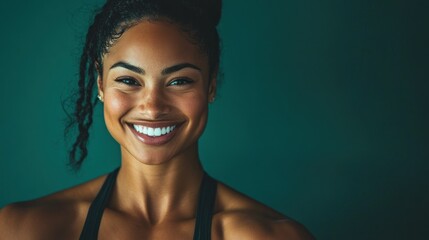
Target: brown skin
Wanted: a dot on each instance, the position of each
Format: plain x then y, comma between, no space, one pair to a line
157,186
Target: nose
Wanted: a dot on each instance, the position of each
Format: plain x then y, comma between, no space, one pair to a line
153,103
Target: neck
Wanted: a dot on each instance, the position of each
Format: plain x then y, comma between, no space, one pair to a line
157,192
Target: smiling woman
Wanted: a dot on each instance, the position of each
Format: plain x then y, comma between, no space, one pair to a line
154,65
154,78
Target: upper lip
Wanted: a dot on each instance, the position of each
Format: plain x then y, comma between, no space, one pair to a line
156,124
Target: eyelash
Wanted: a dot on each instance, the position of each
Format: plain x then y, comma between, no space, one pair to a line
183,81
132,82
128,81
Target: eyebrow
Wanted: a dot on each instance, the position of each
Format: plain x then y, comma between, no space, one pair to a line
178,67
165,71
129,67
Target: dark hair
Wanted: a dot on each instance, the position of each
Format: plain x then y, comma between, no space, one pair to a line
198,18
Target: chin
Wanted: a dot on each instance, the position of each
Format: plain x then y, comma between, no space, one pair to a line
154,157
153,161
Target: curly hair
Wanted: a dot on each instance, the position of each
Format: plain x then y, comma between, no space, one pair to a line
198,18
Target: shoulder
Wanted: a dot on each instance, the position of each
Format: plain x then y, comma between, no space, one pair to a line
59,214
36,219
240,217
250,225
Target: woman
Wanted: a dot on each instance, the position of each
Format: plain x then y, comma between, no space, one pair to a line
154,64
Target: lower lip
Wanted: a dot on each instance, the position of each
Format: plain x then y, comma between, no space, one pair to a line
159,140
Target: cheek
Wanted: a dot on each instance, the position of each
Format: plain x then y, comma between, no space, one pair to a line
115,106
197,108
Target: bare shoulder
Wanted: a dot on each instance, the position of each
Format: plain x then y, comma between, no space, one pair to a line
240,217
59,214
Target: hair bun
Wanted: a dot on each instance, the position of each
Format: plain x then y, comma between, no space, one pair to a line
213,9
208,11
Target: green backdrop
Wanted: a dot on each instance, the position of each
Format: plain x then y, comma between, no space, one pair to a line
323,111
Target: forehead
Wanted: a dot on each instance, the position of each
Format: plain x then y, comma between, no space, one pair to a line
155,44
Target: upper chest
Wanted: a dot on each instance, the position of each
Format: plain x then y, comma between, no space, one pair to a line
116,226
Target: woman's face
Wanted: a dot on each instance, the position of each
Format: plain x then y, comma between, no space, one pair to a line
156,89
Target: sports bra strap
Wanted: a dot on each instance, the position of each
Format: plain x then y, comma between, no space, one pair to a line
95,212
205,209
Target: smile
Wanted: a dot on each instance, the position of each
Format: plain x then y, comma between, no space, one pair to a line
153,132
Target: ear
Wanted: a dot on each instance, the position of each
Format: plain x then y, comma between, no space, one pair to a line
100,87
99,82
212,89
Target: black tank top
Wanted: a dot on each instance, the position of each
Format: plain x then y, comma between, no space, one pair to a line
204,210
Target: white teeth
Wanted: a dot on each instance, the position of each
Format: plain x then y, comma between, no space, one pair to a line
150,131
153,132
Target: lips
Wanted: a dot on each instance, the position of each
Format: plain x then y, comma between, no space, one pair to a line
154,133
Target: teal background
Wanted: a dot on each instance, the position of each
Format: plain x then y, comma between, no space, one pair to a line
322,114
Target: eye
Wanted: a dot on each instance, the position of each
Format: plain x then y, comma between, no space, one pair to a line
180,81
128,81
